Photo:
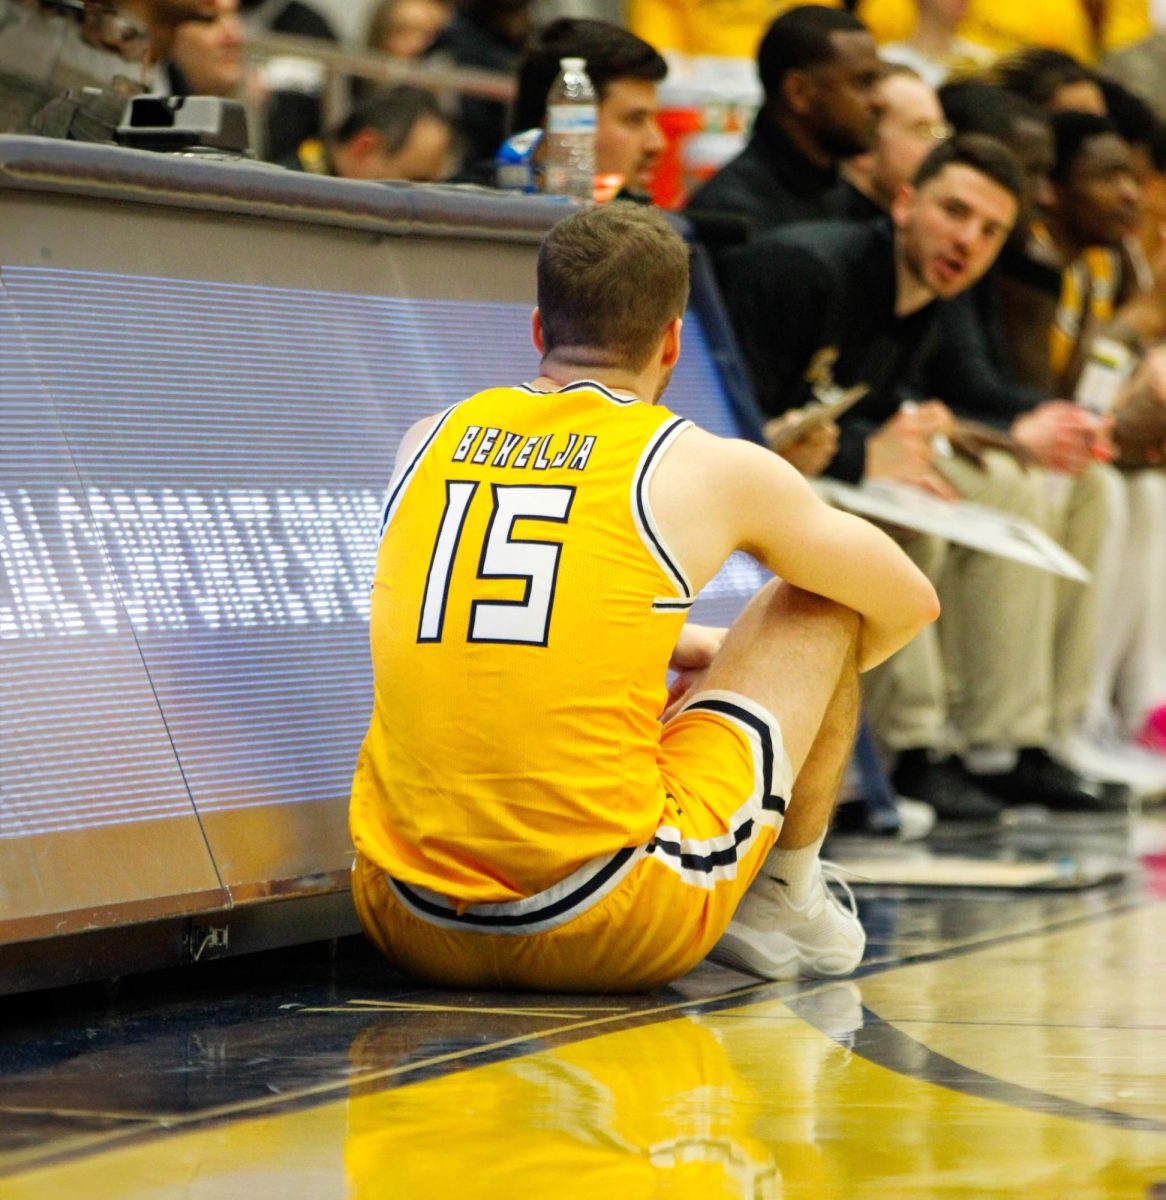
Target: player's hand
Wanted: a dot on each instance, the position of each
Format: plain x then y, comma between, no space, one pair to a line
682,684
696,648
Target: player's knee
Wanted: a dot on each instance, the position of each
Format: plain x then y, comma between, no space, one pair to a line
809,605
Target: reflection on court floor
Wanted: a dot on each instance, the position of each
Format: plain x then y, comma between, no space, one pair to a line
991,1046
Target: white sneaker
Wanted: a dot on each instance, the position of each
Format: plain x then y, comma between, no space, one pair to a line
1143,772
770,937
916,819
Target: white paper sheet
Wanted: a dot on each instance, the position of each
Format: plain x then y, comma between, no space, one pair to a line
958,521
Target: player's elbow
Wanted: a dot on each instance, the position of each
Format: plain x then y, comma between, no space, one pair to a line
926,603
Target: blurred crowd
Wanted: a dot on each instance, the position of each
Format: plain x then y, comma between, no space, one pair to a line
939,229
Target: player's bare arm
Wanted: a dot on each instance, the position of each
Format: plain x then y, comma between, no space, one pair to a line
713,495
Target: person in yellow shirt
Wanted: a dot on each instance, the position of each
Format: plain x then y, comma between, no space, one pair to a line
935,48
716,28
1086,29
531,807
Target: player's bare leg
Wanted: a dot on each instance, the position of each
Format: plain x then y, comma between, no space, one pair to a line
796,655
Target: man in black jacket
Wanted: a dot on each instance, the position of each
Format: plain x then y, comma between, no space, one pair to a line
818,68
865,294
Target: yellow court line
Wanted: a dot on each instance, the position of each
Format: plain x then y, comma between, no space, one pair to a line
26,1111
366,1006
420,1006
70,1147
503,1012
474,1008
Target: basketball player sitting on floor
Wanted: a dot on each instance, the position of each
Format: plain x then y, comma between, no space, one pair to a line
529,809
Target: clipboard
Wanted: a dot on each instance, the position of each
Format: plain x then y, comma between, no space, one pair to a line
961,521
823,410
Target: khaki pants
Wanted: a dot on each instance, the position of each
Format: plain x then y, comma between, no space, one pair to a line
1011,659
1130,679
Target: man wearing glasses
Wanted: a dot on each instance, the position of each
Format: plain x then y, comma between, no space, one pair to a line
910,125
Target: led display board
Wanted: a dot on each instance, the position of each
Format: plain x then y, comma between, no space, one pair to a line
194,467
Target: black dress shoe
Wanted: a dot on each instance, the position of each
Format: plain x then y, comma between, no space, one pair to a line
853,818
1038,778
946,786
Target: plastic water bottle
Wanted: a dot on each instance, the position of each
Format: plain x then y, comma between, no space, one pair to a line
569,166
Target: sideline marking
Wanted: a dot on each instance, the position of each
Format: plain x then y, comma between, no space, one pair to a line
574,1011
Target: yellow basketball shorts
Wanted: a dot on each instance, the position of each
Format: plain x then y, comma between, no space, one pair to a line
632,920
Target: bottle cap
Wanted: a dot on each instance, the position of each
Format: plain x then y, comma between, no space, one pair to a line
573,64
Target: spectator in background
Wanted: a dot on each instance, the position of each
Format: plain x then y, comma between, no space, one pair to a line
905,698
408,28
1084,29
1075,276
862,297
1146,136
1050,79
625,71
488,35
819,70
910,123
972,366
399,133
694,28
294,85
1129,681
206,57
161,19
1076,282
935,49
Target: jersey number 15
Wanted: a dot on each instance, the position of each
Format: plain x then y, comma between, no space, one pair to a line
502,556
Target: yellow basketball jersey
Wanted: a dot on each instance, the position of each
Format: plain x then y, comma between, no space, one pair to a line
523,614
1089,290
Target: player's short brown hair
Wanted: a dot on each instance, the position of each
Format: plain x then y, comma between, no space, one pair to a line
610,279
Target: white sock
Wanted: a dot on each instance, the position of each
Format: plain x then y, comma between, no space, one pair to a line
797,869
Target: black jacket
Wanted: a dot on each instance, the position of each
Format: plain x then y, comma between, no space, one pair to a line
770,183
968,367
827,285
